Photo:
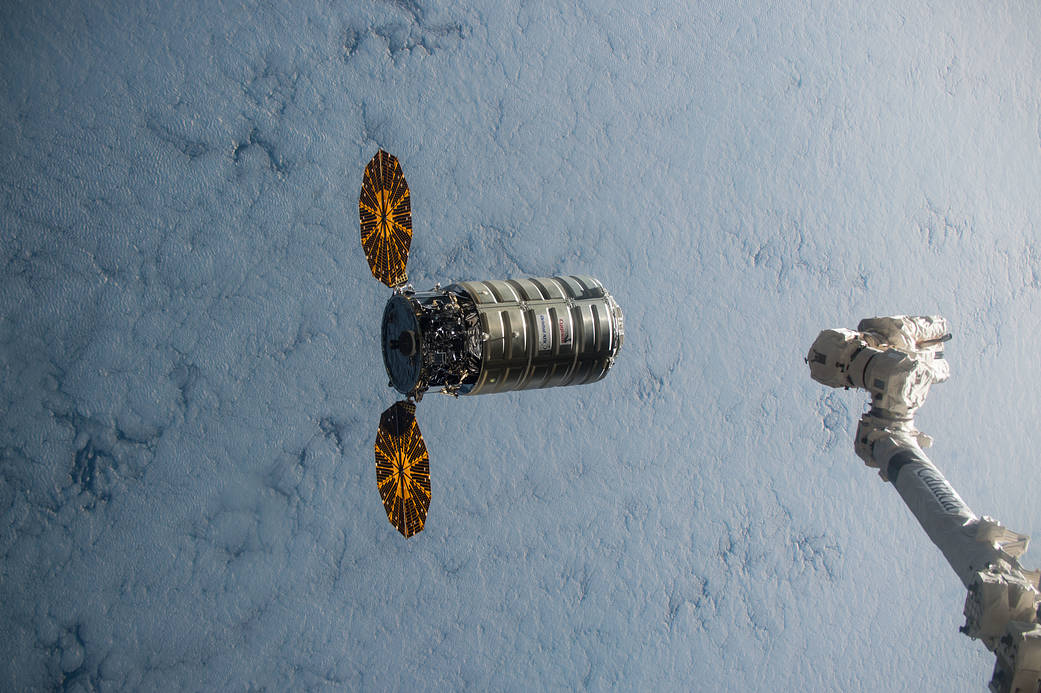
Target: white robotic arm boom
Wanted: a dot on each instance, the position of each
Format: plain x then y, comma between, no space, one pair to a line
897,359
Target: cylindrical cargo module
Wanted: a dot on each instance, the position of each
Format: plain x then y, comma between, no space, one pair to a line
544,332
495,336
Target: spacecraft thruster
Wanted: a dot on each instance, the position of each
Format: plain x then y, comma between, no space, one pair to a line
468,338
897,359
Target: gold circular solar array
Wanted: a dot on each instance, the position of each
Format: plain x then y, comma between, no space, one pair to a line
385,212
403,469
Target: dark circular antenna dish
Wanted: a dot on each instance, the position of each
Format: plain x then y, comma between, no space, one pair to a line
401,354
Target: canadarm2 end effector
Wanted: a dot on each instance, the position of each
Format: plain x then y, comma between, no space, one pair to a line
897,359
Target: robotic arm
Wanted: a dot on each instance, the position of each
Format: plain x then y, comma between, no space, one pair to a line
897,359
